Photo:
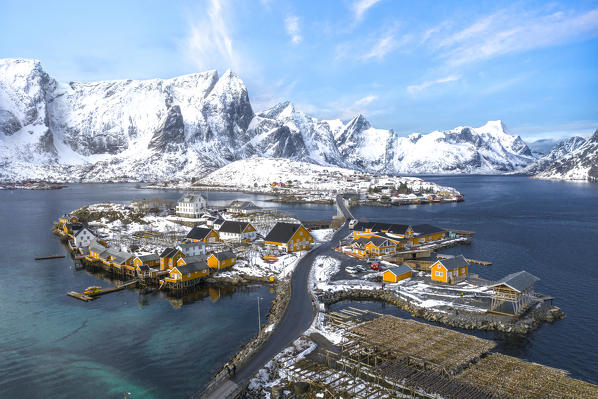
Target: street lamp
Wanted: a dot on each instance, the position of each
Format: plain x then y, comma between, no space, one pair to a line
259,320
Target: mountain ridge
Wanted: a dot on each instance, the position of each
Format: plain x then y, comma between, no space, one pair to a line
187,126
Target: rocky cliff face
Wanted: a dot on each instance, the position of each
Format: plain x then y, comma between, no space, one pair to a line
559,150
578,160
186,126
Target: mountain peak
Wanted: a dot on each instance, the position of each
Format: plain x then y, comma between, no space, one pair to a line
496,126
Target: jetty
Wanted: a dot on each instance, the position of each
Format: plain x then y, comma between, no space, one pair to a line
479,262
103,291
50,257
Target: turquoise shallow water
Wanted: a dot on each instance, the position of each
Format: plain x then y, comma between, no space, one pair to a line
147,345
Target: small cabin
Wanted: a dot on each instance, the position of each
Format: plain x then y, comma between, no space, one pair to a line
396,274
426,232
449,270
222,260
289,237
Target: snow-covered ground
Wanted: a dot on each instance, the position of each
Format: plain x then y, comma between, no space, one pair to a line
305,179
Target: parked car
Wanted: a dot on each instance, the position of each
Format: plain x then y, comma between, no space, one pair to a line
375,266
351,269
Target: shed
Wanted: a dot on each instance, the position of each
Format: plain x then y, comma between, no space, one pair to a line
396,274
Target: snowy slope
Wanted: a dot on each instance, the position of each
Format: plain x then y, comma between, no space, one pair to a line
559,150
579,164
190,125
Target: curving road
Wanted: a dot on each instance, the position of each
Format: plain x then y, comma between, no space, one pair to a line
297,318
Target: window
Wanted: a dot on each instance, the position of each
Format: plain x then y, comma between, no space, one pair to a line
439,274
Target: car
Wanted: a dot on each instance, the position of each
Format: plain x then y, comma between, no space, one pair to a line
375,266
351,269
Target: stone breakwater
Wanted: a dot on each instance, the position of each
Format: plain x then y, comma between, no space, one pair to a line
527,323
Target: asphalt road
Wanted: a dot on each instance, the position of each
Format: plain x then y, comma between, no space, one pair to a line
300,311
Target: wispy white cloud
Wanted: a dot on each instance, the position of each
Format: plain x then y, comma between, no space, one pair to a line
513,31
291,24
359,106
360,7
413,89
209,43
375,46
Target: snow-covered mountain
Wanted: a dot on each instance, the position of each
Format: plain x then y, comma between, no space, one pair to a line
581,163
559,150
190,125
487,149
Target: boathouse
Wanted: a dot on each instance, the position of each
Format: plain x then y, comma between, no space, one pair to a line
237,231
151,260
368,229
449,270
95,249
203,234
396,274
221,260
169,257
517,289
289,237
187,275
426,232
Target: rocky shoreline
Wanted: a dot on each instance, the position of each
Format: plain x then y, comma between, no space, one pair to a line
525,324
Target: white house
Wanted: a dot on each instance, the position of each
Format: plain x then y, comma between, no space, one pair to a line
192,248
191,205
83,237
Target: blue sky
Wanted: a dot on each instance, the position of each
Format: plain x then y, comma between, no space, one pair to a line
413,66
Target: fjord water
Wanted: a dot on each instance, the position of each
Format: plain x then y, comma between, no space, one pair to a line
54,346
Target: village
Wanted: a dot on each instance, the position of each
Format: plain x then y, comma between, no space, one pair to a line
299,182
146,244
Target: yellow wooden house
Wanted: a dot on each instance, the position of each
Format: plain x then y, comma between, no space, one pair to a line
151,260
203,234
396,274
187,275
369,229
449,270
68,219
95,249
427,232
169,257
289,237
222,260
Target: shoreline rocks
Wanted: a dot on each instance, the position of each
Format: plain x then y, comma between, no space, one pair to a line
527,323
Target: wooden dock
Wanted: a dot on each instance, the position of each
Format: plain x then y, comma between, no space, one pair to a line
103,291
479,262
80,296
49,257
463,232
